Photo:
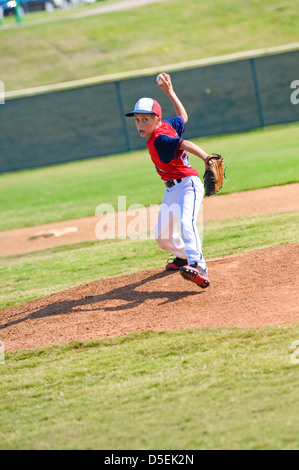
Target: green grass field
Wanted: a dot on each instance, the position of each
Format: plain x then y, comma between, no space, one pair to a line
216,388
172,32
192,389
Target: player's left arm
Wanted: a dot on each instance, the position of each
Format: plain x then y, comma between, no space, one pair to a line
194,149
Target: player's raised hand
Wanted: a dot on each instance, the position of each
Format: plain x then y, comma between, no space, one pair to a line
164,82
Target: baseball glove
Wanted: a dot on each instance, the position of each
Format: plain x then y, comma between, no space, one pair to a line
214,174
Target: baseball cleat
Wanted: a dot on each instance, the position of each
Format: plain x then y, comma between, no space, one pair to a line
196,274
174,264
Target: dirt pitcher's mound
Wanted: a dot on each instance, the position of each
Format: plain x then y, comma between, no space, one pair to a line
252,289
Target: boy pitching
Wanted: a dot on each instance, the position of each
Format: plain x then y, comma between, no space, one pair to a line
184,190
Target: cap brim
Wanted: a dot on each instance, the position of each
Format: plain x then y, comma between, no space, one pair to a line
140,111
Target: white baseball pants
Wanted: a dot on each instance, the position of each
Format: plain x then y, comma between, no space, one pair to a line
180,208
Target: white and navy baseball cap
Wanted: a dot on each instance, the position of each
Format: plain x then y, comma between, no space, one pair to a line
146,106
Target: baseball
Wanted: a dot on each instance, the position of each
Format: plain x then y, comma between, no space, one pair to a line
160,79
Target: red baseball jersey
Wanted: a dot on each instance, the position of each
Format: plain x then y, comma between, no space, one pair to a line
163,146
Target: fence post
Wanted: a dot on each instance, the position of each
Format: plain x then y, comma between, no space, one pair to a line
122,112
257,92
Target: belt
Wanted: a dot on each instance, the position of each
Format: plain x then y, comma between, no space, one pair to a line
171,183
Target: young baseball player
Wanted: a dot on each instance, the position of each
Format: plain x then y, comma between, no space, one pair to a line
184,190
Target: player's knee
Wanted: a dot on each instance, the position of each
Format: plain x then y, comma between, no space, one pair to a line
162,239
162,242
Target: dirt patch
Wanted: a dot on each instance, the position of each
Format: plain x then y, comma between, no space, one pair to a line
219,207
253,289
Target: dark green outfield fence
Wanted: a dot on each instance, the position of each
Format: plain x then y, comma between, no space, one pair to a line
87,122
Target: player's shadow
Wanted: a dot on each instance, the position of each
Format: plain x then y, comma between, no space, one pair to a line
128,294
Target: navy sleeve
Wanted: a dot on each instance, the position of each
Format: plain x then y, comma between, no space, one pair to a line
167,147
177,123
